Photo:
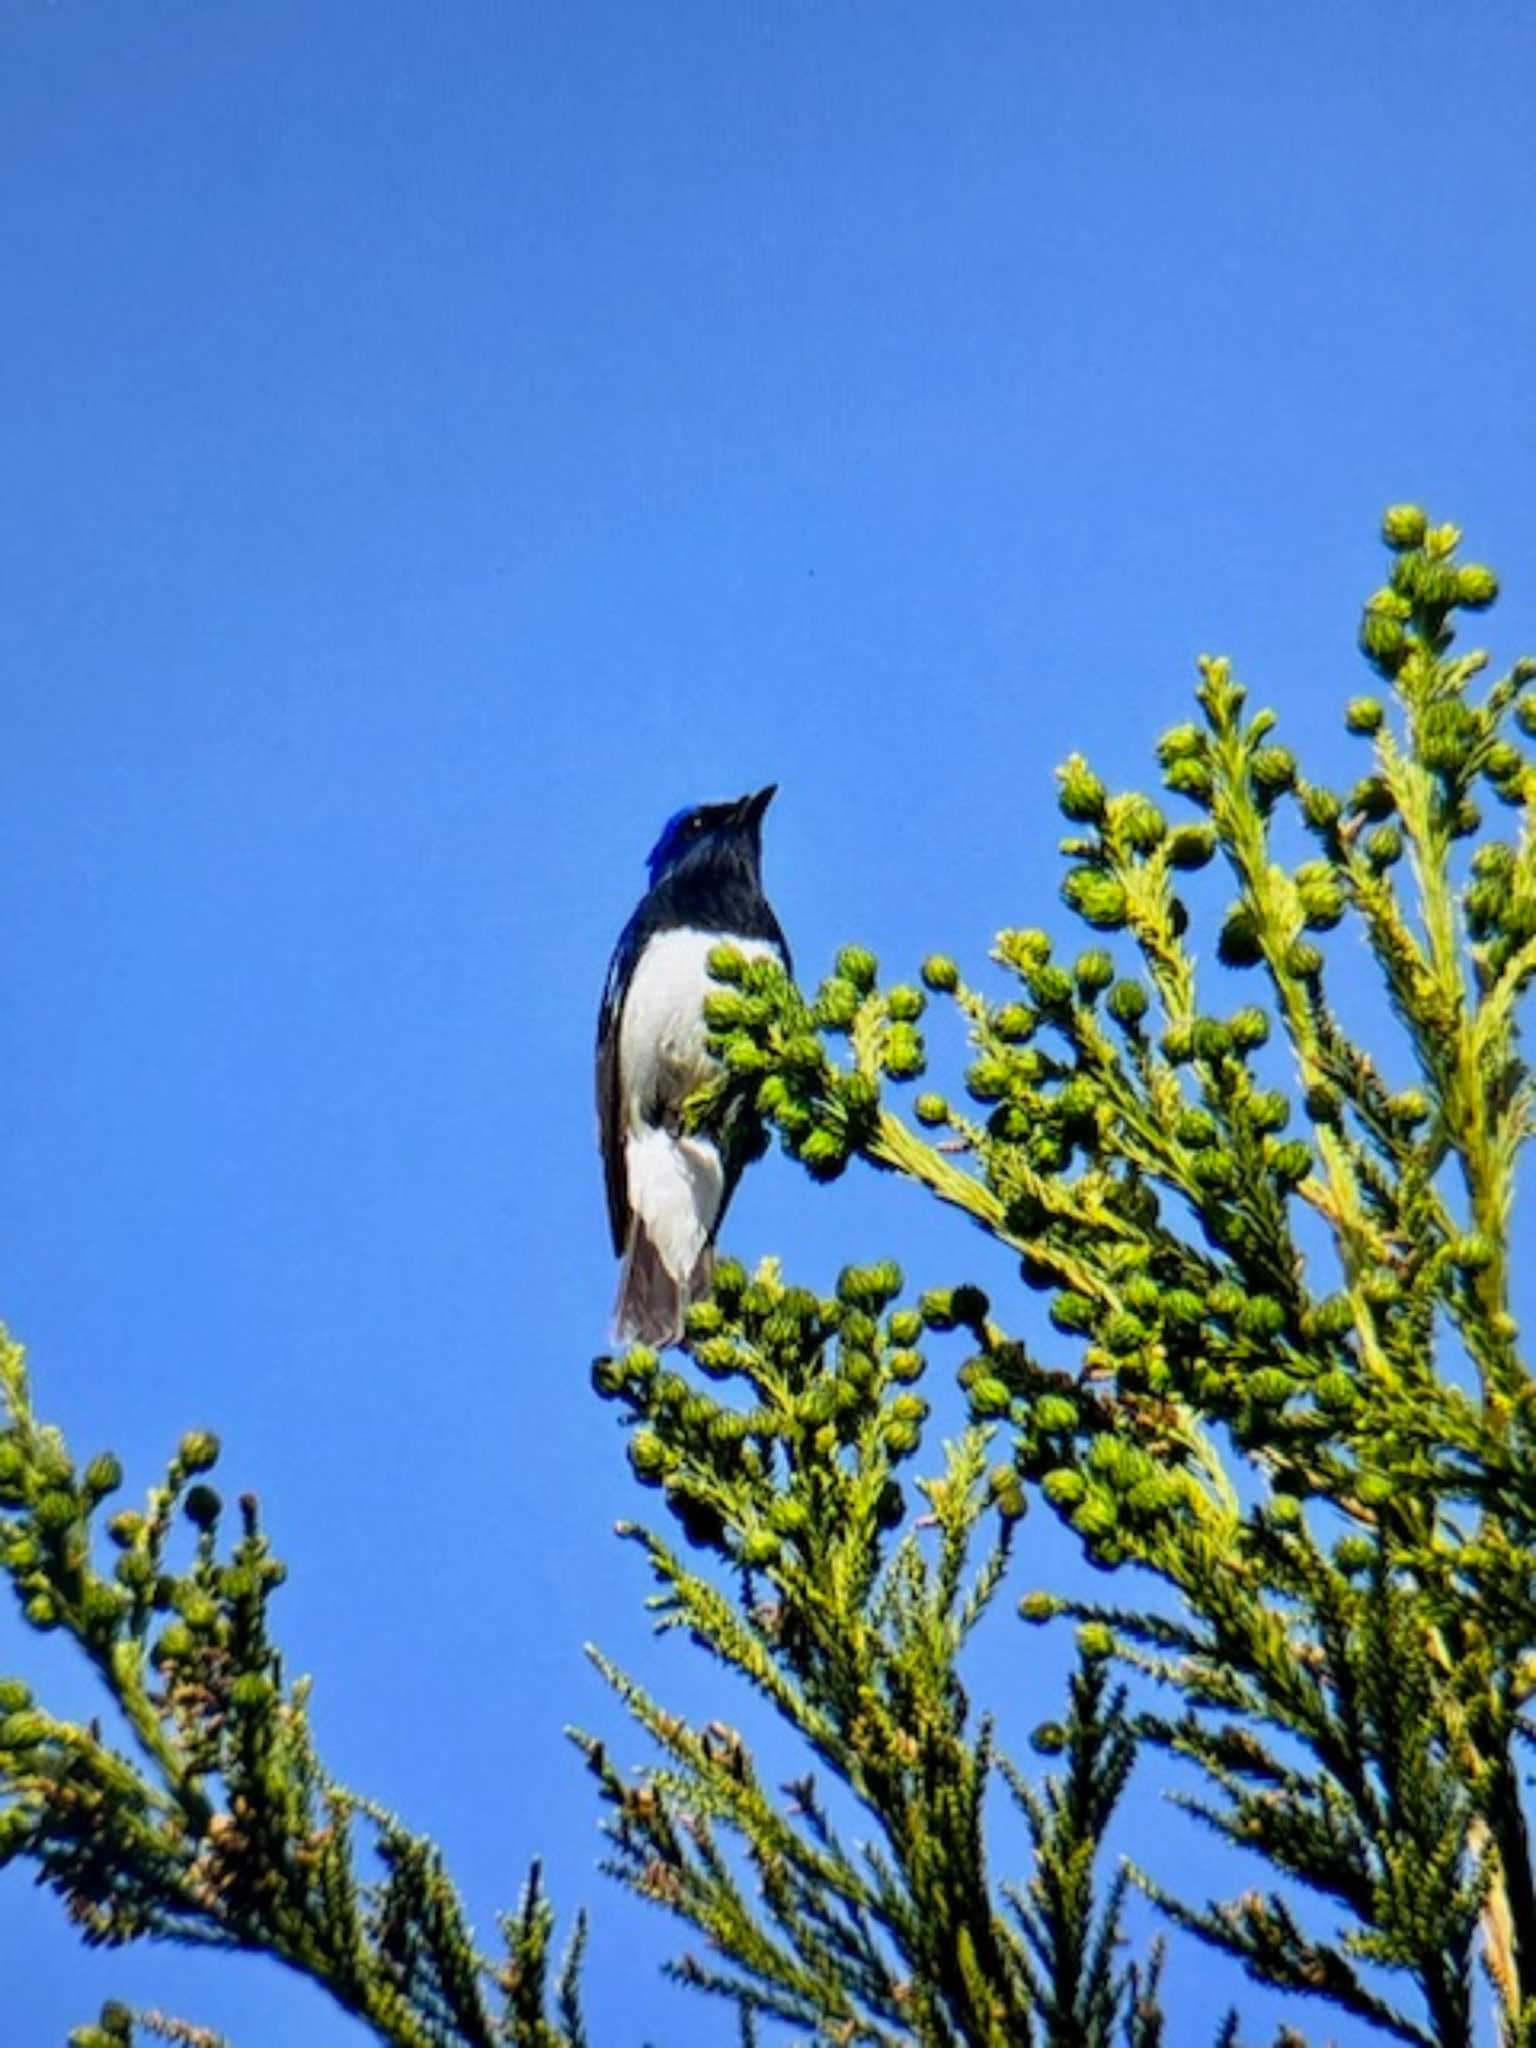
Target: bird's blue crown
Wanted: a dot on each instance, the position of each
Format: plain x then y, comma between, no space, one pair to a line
688,833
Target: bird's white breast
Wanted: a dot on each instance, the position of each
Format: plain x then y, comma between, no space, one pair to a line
663,1042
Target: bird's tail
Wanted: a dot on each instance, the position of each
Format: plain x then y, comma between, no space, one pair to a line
652,1300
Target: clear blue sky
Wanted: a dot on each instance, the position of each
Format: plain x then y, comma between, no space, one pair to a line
442,439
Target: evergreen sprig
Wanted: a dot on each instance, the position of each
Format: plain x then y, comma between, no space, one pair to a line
216,1824
1344,1525
788,1480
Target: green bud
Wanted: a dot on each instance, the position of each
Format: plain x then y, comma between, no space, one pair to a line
1181,1309
1290,1162
1210,1038
837,1003
1319,894
1261,1317
1073,1312
940,974
742,1056
1503,762
1303,960
1054,1412
987,1079
726,963
823,1154
1320,808
1049,1739
56,1511
202,1507
1023,950
901,1053
989,1397
1039,1606
42,1614
908,1408
1093,971
1141,825
1249,1028
1476,587
101,1608
1082,794
1094,1639
1064,1488
1180,743
135,1571
103,1475
1382,640
931,1110
715,1356
1269,1110
1237,944
1096,897
859,1093
1052,987
1363,715
1323,1103
1272,771
1410,1108
1383,846
1403,526
1354,1554
649,1457
1127,1003
1190,777
937,1308
1096,1517
24,1730
904,1005
1334,1391
1191,846
1215,1172
727,1008
1334,1317
1008,1495
905,1326
176,1642
198,1451
1196,1128
859,967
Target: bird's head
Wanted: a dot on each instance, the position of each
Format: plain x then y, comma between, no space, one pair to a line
712,833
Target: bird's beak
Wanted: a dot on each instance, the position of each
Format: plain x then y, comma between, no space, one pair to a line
751,808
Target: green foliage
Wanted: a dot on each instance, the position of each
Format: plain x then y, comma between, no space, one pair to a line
853,1634
1344,1525
1276,1394
218,1826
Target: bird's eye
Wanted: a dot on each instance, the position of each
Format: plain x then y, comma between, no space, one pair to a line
695,824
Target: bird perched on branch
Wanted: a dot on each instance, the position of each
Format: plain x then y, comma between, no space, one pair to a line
668,1187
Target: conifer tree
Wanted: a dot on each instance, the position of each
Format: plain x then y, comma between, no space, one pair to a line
1278,1372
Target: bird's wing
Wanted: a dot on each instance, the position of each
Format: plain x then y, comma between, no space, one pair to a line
610,1120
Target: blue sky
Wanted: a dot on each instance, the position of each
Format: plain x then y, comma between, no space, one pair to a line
440,441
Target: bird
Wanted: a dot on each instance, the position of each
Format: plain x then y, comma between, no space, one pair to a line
668,1187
